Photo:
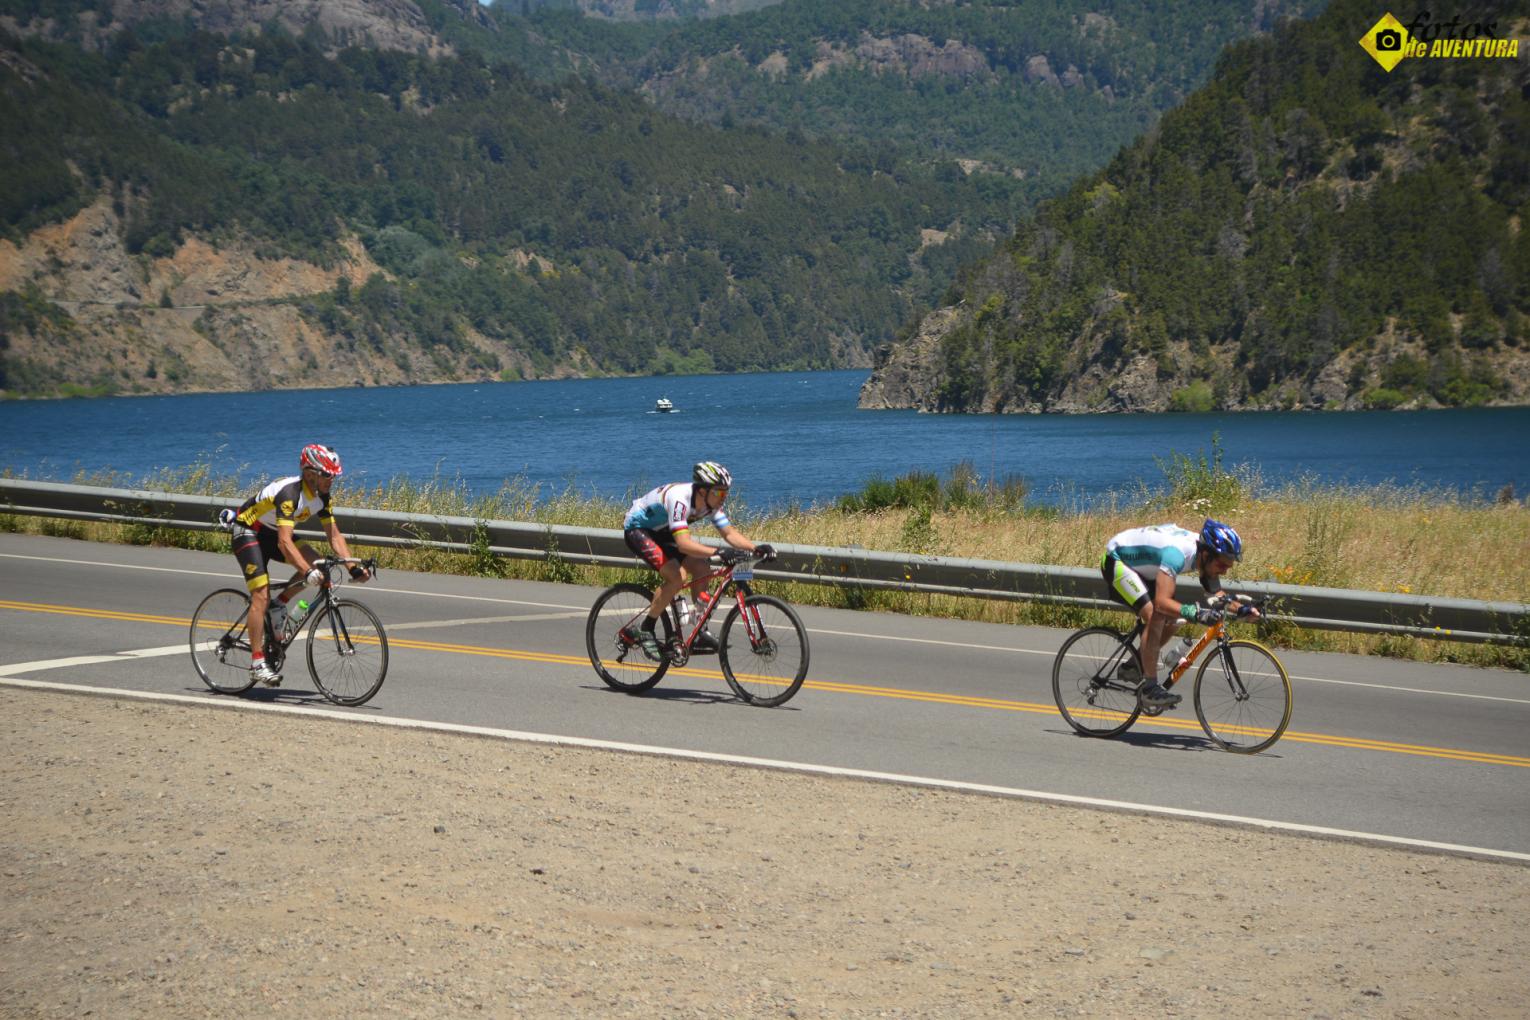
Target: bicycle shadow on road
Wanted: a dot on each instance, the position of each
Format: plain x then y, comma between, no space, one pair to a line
1161,741
276,696
683,695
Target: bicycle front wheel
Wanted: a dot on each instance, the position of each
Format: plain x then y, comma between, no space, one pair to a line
1089,694
1243,697
629,668
764,651
347,652
220,644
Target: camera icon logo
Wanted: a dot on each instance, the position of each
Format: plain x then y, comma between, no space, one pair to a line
1387,42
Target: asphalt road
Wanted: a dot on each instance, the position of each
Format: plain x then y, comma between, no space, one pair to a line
1425,752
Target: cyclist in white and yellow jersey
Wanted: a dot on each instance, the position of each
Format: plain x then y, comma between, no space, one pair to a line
658,529
1140,567
262,530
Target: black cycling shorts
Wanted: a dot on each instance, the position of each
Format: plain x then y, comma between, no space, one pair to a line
654,548
254,549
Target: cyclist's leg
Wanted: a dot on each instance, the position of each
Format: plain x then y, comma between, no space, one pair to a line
298,584
1156,627
695,570
1130,589
658,550
250,550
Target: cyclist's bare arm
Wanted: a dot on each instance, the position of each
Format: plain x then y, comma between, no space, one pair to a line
688,546
736,539
342,550
286,543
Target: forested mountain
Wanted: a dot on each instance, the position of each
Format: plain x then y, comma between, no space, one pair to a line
640,10
385,180
519,225
1305,231
1033,93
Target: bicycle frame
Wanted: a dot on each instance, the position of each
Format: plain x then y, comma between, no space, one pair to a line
1214,634
323,599
741,593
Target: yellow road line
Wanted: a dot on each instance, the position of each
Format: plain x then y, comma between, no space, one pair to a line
835,687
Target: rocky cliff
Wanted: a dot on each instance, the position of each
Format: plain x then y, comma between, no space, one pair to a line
208,318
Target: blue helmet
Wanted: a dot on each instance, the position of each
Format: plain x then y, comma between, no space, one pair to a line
1221,539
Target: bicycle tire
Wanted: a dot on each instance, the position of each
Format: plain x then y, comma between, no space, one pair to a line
619,605
1092,705
763,679
347,652
1250,722
218,635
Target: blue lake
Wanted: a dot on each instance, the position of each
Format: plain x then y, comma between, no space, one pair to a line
787,437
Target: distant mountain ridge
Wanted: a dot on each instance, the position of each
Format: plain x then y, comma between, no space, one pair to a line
459,219
1307,231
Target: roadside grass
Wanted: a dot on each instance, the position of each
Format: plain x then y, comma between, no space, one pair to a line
1408,540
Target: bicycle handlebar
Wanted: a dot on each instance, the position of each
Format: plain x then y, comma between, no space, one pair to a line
329,564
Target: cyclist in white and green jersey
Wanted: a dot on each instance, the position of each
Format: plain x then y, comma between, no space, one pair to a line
1140,568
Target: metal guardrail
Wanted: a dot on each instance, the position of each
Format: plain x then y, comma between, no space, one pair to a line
1316,608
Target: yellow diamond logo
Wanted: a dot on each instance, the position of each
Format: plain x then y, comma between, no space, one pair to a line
1387,42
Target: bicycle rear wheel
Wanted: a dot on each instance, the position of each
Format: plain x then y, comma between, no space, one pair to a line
1243,697
220,644
764,658
1084,683
628,669
347,652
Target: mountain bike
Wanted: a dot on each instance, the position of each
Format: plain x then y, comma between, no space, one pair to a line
763,647
1242,694
347,648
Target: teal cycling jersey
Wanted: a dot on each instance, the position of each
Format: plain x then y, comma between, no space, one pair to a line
669,508
1159,547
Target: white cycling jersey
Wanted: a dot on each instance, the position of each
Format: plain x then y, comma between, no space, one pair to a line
1157,547
669,507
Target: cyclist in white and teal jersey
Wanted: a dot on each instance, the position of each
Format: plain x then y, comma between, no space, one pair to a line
658,530
1140,568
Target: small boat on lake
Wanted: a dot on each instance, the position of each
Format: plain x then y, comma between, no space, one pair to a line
663,405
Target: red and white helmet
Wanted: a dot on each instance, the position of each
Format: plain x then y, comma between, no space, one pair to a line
321,458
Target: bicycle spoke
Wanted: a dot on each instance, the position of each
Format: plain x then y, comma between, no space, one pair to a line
220,645
623,665
347,653
1087,685
1243,697
764,651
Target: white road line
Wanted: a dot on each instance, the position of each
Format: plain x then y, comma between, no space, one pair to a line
42,664
1240,821
579,610
11,669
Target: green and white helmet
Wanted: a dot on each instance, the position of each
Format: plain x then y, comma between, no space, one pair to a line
711,474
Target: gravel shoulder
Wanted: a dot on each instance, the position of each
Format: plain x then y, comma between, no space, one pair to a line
170,861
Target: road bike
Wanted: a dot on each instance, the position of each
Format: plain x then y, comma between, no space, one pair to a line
763,647
1242,693
347,648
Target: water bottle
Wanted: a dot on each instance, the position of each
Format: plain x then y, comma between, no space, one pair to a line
687,614
1175,651
295,614
703,601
